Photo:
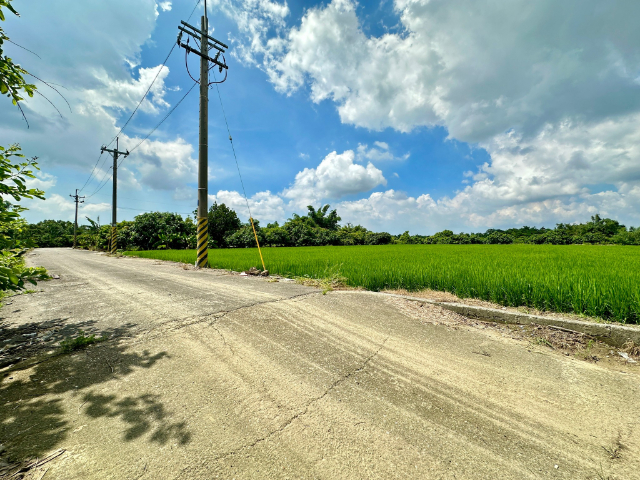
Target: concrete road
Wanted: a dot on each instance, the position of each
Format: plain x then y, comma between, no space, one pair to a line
212,375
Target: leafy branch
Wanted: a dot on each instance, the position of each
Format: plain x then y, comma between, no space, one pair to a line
12,75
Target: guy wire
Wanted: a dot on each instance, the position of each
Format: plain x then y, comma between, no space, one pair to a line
244,192
232,147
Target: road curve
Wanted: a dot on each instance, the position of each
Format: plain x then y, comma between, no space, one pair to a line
211,375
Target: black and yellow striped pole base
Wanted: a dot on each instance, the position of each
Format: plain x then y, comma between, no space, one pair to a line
114,241
202,243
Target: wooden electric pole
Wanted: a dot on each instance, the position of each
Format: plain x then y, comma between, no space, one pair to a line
114,220
76,198
206,43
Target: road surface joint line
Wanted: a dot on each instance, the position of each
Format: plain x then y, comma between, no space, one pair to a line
184,322
305,410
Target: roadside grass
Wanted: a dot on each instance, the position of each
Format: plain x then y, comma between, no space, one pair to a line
586,353
614,450
4,296
596,281
329,281
542,342
79,342
600,475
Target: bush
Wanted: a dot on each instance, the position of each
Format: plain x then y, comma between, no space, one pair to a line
497,238
14,274
373,238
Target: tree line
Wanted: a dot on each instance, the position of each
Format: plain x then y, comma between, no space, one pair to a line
319,227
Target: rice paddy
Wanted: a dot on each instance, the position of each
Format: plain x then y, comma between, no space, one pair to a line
598,281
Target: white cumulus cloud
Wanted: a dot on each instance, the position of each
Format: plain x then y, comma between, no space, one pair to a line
265,206
551,90
336,176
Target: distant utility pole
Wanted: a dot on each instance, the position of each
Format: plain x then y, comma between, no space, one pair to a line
76,198
206,43
114,221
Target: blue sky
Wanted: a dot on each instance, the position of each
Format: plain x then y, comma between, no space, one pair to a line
412,115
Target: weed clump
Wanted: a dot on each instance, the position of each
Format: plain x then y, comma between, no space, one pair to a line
81,341
328,281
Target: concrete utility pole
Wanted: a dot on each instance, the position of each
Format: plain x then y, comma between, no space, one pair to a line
206,43
76,198
202,258
114,221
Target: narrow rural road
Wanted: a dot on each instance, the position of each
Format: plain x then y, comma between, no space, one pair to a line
211,375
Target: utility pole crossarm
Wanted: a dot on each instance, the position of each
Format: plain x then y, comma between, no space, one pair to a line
114,151
193,50
206,41
211,45
198,32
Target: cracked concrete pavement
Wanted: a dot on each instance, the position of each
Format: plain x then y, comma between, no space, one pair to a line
211,375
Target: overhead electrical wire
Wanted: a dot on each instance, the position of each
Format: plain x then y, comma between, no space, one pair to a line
140,209
144,96
139,103
186,63
233,148
141,201
194,10
101,183
144,139
161,121
93,170
244,192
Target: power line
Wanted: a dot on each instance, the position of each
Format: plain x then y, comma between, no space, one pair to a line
140,103
93,170
194,9
145,138
149,201
152,211
130,117
100,183
141,210
144,96
232,147
165,117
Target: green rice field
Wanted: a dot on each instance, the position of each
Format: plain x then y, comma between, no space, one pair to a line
598,281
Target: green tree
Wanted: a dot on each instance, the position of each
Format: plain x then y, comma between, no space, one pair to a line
350,235
222,222
13,177
244,237
91,238
377,238
320,218
407,239
49,233
13,188
276,236
604,226
498,237
151,230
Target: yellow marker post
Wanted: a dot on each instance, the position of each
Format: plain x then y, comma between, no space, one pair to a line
257,243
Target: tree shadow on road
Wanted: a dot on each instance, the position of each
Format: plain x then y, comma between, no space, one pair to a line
41,397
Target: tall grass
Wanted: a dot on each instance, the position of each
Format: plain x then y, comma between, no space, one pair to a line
599,281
